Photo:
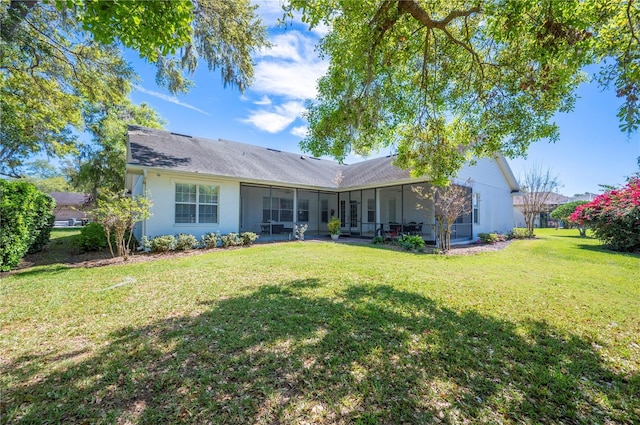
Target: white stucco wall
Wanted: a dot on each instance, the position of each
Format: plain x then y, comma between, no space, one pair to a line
160,188
496,204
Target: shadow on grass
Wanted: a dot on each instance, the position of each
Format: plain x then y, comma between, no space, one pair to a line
284,354
603,249
59,251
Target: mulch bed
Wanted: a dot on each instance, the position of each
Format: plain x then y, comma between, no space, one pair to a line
103,258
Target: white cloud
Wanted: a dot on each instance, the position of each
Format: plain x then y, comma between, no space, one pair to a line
168,98
270,10
287,72
321,29
264,101
277,118
291,68
300,131
293,81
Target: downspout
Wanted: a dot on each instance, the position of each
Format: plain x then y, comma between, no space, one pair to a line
144,193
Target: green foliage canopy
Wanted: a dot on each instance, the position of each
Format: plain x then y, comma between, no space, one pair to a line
100,166
61,60
49,72
447,80
118,214
176,34
562,212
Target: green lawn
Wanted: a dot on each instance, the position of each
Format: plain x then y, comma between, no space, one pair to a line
547,330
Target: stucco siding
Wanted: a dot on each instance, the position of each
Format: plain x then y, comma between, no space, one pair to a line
161,191
496,204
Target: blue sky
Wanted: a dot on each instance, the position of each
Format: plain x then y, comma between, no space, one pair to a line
591,150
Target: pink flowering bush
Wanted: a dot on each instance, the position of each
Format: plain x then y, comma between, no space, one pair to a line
614,217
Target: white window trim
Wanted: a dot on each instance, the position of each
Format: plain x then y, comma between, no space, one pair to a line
197,204
475,207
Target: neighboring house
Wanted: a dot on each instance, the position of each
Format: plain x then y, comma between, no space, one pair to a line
198,185
68,208
542,219
588,197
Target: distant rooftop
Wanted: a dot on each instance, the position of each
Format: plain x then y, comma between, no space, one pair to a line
68,198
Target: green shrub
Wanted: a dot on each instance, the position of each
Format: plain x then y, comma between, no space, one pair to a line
412,242
185,242
232,239
118,213
45,224
492,237
25,222
517,233
248,238
163,243
377,240
210,240
92,238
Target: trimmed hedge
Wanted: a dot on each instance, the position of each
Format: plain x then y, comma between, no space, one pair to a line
26,220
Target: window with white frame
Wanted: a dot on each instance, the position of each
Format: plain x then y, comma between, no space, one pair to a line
277,209
371,210
324,210
196,203
476,208
303,210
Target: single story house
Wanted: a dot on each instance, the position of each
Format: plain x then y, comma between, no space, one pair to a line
199,185
69,208
543,218
554,200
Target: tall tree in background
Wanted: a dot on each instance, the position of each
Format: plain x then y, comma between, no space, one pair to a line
447,80
50,72
173,34
564,211
100,165
537,185
46,177
61,61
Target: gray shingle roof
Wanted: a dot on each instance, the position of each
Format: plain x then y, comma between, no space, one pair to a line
165,150
68,198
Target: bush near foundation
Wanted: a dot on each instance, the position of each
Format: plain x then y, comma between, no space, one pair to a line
26,220
92,237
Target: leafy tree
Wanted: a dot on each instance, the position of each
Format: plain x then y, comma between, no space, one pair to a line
118,214
60,59
50,72
45,176
447,80
562,212
536,186
173,34
42,169
51,184
449,203
100,166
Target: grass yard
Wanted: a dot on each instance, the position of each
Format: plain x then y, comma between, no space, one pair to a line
544,331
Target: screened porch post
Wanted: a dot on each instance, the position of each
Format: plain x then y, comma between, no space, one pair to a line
270,210
378,215
295,210
402,222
